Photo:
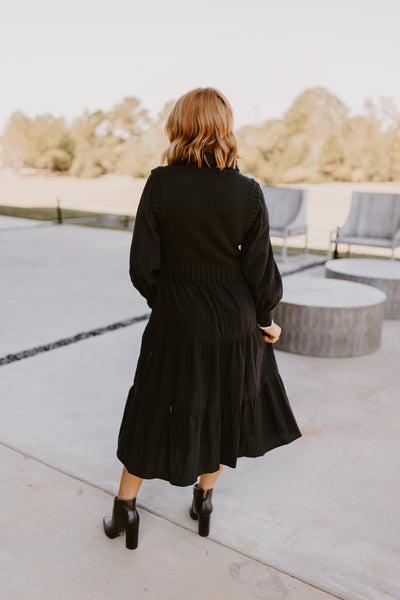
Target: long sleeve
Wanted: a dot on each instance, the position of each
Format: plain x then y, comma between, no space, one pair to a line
145,251
264,326
258,264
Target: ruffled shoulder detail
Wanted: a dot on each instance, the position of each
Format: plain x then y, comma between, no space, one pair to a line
254,200
156,195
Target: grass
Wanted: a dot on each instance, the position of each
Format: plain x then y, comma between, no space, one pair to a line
78,217
45,213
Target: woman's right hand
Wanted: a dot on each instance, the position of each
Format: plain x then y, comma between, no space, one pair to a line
272,333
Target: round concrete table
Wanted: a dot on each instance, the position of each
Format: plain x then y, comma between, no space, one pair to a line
383,274
329,317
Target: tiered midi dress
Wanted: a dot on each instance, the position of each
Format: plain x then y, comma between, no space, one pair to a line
207,388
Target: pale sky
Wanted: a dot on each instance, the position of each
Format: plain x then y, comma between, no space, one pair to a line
64,57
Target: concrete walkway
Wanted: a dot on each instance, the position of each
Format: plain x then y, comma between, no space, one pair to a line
312,520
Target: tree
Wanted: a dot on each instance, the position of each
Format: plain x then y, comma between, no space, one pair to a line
331,158
43,142
127,120
14,141
94,148
315,140
315,115
288,149
140,154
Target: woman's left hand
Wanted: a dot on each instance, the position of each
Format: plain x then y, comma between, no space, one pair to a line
272,333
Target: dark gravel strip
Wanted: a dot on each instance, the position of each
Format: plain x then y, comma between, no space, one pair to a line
5,360
305,267
10,358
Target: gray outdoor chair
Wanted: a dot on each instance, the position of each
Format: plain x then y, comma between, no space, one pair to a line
287,213
374,220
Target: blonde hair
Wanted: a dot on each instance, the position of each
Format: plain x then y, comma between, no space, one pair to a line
201,121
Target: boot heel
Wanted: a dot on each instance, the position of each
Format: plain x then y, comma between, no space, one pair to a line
204,525
124,518
131,537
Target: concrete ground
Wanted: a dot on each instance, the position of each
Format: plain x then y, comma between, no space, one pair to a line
313,520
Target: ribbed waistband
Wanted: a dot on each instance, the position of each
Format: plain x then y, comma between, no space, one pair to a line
201,273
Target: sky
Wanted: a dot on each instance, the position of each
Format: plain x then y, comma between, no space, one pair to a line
63,58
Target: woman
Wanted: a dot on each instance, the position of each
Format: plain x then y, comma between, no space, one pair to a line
207,389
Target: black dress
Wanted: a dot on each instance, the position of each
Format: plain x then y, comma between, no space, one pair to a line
207,389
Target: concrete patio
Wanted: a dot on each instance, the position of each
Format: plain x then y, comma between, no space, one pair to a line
314,520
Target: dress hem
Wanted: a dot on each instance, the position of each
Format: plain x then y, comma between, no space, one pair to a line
275,443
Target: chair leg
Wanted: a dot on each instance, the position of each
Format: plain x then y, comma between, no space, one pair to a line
336,253
329,256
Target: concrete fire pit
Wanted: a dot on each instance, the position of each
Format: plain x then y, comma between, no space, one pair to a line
329,317
382,274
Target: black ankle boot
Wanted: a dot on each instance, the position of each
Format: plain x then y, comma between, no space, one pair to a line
201,509
124,518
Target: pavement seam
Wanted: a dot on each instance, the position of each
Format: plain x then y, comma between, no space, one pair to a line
317,263
5,360
22,354
165,518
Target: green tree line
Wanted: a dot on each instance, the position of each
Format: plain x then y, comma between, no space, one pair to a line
316,140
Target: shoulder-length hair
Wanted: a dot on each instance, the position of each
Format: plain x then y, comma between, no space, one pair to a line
201,121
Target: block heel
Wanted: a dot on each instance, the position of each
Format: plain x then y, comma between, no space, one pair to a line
125,518
204,525
131,536
201,509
